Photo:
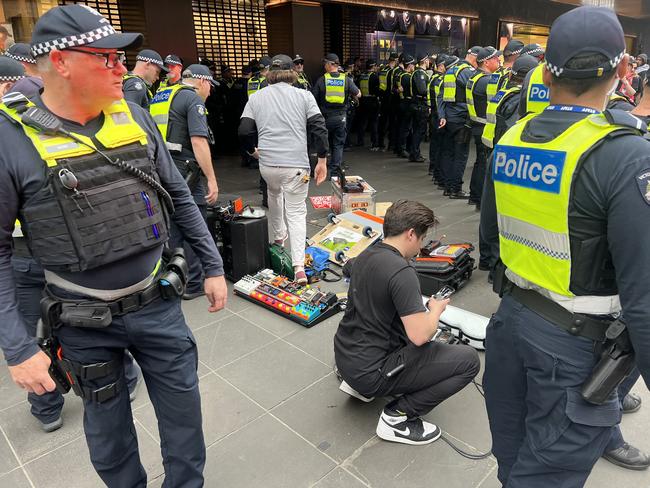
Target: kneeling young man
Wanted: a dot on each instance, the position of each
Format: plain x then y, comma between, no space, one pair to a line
383,344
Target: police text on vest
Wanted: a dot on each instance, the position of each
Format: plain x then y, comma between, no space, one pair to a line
538,169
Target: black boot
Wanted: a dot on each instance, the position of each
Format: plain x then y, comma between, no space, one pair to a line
628,457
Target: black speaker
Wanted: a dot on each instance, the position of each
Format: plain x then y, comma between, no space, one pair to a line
242,243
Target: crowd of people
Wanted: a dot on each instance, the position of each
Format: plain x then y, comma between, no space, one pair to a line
107,176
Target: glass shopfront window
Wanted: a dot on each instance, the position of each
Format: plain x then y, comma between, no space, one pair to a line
18,18
526,33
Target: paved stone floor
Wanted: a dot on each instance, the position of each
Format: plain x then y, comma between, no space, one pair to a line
272,412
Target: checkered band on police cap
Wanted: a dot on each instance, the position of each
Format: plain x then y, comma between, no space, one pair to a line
10,69
20,52
149,60
584,32
173,59
73,41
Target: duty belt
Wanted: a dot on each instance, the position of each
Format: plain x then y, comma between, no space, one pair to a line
574,323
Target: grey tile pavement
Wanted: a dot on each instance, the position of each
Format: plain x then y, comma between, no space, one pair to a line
272,412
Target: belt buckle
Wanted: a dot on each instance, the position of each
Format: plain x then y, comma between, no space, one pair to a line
130,303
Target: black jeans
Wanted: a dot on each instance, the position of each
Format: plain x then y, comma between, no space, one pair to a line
336,130
405,138
384,116
433,372
437,137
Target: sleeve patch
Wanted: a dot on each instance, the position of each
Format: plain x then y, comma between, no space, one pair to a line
643,182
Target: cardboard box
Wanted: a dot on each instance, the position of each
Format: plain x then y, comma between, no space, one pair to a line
348,202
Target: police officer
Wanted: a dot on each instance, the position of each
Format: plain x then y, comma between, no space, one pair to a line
565,199
394,105
405,115
369,105
258,80
79,221
497,79
471,56
31,84
179,111
453,114
175,66
436,133
299,68
502,113
351,121
11,71
385,76
137,84
332,92
537,94
476,95
419,108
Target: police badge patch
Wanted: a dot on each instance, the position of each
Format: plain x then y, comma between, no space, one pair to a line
138,85
201,109
643,182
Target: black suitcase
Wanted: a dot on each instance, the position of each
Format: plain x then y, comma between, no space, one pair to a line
441,265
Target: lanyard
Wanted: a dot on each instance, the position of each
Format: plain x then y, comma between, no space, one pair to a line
572,108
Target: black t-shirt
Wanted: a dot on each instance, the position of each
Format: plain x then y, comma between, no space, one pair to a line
383,288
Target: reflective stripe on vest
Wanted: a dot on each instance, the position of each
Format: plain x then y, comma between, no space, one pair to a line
538,94
162,104
254,84
436,88
489,131
532,182
364,84
119,129
449,82
469,96
335,88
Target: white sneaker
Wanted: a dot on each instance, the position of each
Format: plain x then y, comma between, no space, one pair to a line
344,387
395,426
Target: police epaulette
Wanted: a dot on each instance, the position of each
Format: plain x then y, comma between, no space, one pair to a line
625,119
14,101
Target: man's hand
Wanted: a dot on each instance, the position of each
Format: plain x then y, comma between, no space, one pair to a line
442,123
320,171
436,307
255,154
32,374
217,292
213,192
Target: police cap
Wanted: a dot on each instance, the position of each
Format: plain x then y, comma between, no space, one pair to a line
78,25
370,63
486,53
10,69
533,50
474,50
392,56
441,58
265,62
423,57
151,56
331,58
524,64
298,59
408,59
451,61
514,47
20,52
281,62
173,59
584,31
199,71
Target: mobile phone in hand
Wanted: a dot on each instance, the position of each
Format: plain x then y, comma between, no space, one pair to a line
444,293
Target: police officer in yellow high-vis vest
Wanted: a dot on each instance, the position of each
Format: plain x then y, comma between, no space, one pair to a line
511,52
569,187
537,94
368,113
332,92
137,84
92,183
258,81
180,114
385,83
